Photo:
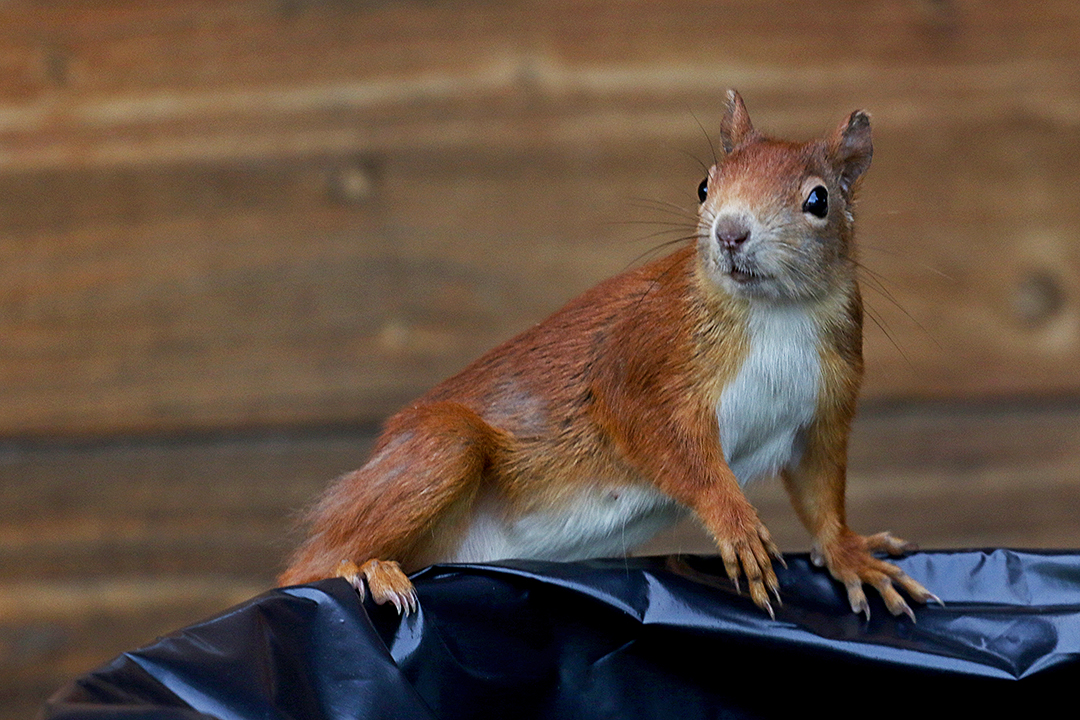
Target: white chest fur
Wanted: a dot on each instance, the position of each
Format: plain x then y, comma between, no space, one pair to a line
772,398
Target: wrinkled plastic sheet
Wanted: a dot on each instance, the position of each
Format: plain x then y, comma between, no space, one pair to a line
620,638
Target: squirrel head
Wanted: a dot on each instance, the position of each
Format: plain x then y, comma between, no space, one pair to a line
776,218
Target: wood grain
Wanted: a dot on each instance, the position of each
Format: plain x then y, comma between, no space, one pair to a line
235,234
236,214
105,545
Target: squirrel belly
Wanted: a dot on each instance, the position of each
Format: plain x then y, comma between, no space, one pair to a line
597,521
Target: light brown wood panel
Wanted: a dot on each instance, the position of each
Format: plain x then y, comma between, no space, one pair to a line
249,213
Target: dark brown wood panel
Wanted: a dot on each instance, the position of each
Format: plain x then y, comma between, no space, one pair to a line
105,545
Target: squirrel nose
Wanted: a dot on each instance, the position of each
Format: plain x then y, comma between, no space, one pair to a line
731,232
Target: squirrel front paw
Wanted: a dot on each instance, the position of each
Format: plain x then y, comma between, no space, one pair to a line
747,549
386,580
849,559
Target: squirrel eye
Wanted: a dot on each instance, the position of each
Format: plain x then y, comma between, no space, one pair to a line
817,202
703,190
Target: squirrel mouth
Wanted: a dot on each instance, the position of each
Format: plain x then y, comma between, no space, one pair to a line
742,275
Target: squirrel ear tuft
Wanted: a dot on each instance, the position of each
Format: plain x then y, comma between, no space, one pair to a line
852,149
735,126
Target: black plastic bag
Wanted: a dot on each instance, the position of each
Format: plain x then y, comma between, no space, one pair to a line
620,638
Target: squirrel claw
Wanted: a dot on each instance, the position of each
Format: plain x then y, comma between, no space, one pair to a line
350,571
857,598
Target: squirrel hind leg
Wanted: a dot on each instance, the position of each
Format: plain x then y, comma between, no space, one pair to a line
404,503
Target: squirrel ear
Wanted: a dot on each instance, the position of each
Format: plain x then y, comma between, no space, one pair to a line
735,126
852,149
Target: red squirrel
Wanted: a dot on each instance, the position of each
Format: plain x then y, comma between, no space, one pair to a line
660,391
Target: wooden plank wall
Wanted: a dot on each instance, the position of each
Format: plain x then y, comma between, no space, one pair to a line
235,235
